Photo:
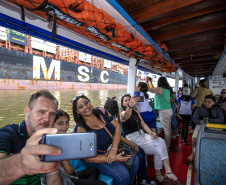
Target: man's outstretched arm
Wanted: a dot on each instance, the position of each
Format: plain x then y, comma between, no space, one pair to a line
28,161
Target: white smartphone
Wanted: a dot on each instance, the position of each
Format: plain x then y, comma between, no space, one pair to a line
74,146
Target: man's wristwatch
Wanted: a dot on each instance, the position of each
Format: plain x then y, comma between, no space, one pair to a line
130,107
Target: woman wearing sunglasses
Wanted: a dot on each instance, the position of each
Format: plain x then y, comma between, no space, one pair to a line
89,119
222,98
137,131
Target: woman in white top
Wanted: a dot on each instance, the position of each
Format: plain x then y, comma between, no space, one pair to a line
144,107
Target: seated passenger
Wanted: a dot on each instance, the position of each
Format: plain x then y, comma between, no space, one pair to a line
222,102
111,105
144,108
209,110
138,132
222,98
223,106
86,176
90,119
19,144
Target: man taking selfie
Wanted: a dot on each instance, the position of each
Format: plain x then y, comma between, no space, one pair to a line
20,150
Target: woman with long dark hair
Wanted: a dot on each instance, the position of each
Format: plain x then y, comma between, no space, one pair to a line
89,119
138,132
111,105
163,105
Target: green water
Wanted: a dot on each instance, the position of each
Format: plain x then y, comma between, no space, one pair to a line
13,102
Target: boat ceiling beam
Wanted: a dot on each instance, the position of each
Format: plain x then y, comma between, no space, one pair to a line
196,59
185,16
157,9
197,52
215,21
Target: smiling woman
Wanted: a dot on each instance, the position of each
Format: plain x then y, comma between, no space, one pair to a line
108,161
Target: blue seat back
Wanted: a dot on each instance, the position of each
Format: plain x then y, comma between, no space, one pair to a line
78,166
212,161
210,157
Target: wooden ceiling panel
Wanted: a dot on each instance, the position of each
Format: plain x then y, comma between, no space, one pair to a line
191,26
185,13
162,7
194,31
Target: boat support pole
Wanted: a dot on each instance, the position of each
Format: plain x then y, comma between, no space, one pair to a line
132,74
176,82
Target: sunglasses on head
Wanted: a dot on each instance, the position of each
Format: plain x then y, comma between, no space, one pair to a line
127,94
76,97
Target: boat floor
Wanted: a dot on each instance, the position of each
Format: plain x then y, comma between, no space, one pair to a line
178,152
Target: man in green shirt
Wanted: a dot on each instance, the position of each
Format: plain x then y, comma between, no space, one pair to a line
20,150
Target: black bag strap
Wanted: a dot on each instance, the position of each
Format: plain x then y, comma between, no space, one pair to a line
22,13
54,20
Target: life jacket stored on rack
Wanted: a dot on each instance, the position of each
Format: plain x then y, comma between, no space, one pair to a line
94,23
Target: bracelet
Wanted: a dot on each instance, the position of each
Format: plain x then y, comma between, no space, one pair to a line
114,148
52,173
130,107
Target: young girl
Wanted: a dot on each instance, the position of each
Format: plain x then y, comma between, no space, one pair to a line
144,108
184,110
86,176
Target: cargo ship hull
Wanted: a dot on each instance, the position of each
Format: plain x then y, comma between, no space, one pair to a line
19,70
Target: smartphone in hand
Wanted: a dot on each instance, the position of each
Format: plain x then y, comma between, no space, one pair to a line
141,98
74,146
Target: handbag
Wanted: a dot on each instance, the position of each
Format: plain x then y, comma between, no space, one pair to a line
128,151
123,147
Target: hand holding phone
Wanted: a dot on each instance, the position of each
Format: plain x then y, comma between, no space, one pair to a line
141,98
74,146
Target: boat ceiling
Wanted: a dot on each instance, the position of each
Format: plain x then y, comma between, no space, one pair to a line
193,30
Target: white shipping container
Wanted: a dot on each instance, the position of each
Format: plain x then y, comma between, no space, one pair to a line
85,57
43,47
43,42
107,63
2,29
3,36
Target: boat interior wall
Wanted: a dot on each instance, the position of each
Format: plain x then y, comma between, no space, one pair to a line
95,24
